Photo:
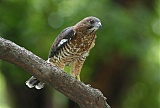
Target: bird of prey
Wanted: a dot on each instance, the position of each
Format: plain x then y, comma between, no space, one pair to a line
71,47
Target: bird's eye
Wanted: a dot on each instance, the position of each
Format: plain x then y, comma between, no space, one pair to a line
91,21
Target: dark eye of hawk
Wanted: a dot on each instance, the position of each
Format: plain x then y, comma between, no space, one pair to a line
91,21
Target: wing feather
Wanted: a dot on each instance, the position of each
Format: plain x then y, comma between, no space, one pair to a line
61,40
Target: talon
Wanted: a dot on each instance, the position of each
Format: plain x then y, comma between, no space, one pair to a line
88,85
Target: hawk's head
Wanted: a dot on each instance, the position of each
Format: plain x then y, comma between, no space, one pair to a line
89,24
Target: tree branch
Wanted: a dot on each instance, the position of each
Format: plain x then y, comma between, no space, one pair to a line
85,96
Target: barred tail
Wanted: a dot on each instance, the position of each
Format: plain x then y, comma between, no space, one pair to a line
33,82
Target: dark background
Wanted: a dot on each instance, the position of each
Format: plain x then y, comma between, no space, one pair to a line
124,64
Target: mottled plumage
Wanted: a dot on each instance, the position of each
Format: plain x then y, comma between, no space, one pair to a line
71,47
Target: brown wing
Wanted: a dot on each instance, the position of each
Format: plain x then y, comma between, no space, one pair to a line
61,40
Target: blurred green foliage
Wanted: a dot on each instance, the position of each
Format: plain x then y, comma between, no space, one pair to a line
130,39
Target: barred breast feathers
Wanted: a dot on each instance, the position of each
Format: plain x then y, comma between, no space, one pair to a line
61,40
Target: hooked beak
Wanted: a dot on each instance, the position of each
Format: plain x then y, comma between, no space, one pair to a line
99,25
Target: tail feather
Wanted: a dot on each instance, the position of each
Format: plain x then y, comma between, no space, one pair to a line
40,85
33,82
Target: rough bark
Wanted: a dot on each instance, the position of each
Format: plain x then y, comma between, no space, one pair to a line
83,95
